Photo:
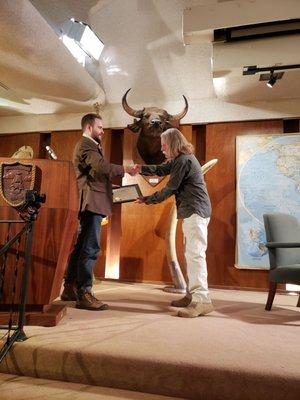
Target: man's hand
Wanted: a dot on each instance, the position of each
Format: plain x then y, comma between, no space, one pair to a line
138,168
130,170
140,200
133,169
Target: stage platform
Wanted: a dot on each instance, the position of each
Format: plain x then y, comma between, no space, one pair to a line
238,352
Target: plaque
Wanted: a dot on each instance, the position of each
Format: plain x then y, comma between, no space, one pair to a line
16,179
126,193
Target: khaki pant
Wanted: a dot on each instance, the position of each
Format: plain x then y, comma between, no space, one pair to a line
195,237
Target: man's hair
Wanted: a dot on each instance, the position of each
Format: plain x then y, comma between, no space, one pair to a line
88,119
176,142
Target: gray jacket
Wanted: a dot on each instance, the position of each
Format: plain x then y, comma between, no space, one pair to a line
186,183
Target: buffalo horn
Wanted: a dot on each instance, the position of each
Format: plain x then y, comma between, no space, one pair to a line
182,113
128,109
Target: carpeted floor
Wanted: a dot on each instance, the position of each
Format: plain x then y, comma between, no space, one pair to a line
14,387
238,352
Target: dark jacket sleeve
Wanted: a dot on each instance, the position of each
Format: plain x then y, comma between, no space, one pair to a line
159,170
95,160
179,170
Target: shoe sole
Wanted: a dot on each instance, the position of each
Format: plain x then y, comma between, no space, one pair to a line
184,315
173,305
101,308
67,299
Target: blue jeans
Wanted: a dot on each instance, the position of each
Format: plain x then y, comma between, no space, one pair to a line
83,257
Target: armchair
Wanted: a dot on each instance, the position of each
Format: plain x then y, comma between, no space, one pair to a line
283,243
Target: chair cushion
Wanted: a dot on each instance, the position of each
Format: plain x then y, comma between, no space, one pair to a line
282,228
286,274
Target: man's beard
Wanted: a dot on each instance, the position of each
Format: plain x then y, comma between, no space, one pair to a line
97,138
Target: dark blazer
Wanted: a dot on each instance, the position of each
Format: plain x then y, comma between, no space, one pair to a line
93,174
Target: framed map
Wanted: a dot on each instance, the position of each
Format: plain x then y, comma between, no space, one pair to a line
268,180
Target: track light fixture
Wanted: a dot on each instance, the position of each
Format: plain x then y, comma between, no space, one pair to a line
253,69
270,77
272,80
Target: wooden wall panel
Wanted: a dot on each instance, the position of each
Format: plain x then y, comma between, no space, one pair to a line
112,260
63,143
142,246
291,125
221,183
9,144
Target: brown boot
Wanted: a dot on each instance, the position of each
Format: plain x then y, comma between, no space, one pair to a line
195,309
184,302
69,293
87,301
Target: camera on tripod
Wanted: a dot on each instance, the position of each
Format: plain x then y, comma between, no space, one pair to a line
32,197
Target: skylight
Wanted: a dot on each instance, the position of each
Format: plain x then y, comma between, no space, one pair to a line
81,41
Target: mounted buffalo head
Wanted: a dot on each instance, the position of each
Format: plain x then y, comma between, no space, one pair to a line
150,125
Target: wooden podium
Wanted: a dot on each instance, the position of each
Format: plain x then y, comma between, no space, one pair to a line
53,238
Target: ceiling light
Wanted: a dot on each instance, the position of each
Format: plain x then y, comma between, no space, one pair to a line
81,40
271,77
253,69
272,80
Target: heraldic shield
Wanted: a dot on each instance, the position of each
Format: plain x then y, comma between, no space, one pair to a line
16,179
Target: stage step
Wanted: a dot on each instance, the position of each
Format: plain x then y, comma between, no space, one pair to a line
238,352
14,387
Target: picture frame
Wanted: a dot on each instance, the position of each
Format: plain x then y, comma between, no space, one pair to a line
126,193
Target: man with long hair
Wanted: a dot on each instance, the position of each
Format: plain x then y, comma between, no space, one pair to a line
194,207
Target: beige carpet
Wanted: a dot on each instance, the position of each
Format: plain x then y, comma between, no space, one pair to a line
237,352
14,387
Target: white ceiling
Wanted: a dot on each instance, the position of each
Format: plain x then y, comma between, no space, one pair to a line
37,74
143,50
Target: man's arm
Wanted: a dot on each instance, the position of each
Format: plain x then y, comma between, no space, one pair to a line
177,175
159,170
96,161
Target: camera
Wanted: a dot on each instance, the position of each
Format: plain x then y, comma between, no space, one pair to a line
33,197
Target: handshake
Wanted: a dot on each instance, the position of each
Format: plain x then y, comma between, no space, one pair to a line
133,169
